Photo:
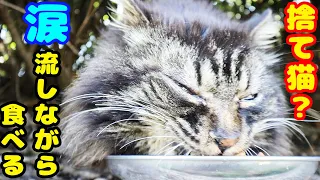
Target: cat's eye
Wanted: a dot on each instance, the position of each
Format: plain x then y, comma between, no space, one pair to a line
250,97
186,88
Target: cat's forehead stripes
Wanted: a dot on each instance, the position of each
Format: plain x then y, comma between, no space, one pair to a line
211,63
225,68
221,52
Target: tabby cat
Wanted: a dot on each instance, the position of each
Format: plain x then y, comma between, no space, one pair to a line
178,78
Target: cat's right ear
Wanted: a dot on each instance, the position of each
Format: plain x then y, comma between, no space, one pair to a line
129,13
264,29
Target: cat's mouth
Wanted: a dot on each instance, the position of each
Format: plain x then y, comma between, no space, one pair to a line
251,151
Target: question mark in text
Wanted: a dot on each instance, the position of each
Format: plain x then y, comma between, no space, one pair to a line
302,102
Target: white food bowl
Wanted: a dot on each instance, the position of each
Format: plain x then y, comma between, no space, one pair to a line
213,167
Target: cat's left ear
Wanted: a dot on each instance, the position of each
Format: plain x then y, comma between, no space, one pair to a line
264,29
129,13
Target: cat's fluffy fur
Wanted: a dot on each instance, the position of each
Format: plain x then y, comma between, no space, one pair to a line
172,78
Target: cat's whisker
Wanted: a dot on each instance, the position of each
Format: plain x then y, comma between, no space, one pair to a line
303,135
70,142
305,120
248,152
150,137
105,96
180,153
250,149
274,126
168,151
83,96
290,125
143,108
172,149
136,111
125,101
282,120
310,116
310,113
164,147
314,113
266,127
126,120
188,153
293,120
262,149
74,115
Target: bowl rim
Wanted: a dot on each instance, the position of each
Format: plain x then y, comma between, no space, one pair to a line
215,158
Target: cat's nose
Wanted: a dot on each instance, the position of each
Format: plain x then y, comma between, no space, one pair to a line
224,144
224,139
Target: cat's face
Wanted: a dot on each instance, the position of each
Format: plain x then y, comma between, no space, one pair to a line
179,85
211,98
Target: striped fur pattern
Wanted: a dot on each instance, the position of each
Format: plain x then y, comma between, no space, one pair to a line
172,77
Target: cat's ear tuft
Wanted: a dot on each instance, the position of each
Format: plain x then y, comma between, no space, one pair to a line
129,13
264,29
